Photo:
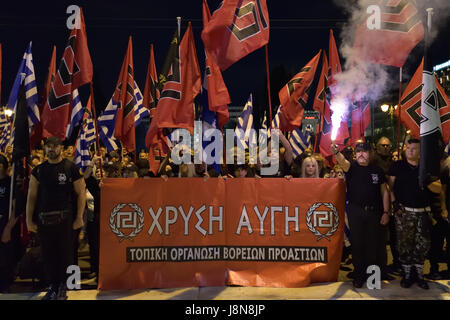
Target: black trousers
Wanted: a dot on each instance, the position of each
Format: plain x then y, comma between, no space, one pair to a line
93,231
365,230
439,232
57,250
10,254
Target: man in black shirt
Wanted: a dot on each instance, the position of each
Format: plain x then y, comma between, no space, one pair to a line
367,210
57,187
411,210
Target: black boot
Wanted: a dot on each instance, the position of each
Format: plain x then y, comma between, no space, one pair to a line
420,280
406,281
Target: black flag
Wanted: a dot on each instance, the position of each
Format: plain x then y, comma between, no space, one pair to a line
431,144
21,129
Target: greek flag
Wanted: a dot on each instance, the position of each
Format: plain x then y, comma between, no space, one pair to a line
82,157
3,120
299,142
5,137
209,121
87,137
245,125
26,70
140,111
88,126
276,119
77,113
106,124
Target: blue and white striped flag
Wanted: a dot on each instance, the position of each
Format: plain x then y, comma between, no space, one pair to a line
140,111
26,69
209,121
5,137
3,120
276,119
106,124
82,157
299,142
89,129
264,132
245,125
77,113
85,140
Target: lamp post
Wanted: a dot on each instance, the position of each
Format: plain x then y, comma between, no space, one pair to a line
387,108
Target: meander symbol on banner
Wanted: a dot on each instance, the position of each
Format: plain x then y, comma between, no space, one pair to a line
121,221
322,217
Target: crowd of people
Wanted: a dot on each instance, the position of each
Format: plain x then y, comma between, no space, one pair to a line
384,205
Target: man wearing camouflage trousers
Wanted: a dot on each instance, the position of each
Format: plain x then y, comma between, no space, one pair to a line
412,210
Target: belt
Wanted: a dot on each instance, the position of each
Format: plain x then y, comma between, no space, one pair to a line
426,209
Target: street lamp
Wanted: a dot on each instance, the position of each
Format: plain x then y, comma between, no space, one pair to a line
384,107
8,112
388,108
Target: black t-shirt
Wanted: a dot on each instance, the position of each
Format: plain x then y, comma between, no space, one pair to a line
5,187
363,185
406,185
445,179
56,185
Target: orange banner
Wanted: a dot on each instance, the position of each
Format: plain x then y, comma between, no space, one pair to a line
249,232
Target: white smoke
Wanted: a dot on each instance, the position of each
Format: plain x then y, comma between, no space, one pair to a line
440,18
359,79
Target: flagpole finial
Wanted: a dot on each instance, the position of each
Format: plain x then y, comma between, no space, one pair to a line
430,12
179,25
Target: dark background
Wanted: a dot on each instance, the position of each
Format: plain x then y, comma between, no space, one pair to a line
299,29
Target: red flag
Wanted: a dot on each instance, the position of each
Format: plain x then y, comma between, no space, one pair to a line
37,133
411,101
294,96
360,121
334,67
218,97
124,96
325,138
400,31
155,140
151,91
176,106
334,61
74,70
236,29
322,87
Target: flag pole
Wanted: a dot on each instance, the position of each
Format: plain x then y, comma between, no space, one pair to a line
269,96
179,26
361,133
399,106
11,190
94,114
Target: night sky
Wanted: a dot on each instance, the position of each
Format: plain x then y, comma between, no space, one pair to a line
298,30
